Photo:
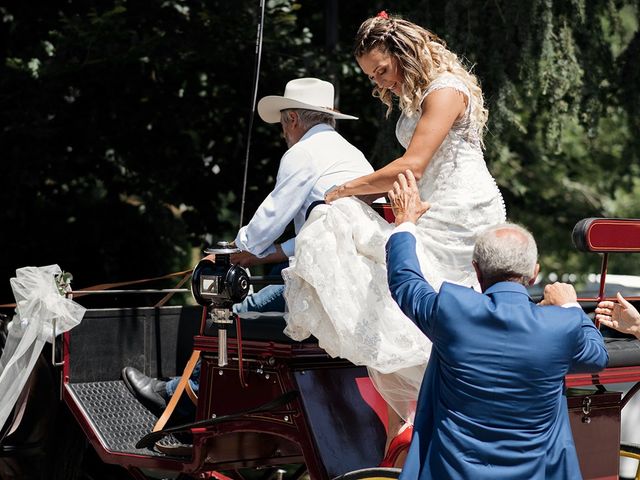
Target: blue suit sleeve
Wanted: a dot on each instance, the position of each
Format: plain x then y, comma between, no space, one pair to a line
410,290
590,355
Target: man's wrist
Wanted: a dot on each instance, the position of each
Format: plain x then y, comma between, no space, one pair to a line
404,219
405,227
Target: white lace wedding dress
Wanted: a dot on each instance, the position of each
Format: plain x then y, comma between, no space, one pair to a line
336,287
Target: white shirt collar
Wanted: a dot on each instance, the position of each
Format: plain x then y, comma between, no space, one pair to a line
321,127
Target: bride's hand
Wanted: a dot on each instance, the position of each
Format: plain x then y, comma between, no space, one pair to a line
333,195
405,199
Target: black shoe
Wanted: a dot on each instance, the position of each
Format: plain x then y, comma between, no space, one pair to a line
173,447
149,391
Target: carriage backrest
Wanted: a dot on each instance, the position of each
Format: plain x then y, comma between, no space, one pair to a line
607,235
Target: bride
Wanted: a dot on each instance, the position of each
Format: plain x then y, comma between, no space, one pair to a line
336,287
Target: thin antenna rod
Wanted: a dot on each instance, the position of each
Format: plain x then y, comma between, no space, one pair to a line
253,108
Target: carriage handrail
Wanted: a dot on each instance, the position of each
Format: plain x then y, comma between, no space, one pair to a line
256,280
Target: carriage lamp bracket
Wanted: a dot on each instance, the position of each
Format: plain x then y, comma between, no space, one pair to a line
223,318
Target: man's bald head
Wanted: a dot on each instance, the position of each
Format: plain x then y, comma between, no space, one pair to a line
505,252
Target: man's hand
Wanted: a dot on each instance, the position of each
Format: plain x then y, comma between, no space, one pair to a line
244,259
559,294
620,315
405,199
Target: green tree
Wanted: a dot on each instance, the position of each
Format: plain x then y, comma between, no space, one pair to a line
124,124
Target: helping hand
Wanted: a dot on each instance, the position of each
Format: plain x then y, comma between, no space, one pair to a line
405,199
559,294
620,315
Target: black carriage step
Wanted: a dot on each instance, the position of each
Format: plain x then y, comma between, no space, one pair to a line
118,418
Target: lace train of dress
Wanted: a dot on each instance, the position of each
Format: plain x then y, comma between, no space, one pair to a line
336,290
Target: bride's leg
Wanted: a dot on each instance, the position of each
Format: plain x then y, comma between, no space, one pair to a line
399,392
394,424
398,438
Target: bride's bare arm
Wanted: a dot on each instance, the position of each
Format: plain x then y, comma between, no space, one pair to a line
440,110
369,198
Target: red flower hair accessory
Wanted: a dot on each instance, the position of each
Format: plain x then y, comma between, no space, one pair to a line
383,14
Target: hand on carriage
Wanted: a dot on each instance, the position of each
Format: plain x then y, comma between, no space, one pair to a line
620,315
559,294
405,199
248,259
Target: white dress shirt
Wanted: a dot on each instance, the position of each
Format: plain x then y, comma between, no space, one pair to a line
321,160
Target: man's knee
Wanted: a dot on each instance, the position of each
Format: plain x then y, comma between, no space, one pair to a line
268,299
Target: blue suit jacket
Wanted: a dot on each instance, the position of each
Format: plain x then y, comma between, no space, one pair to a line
491,404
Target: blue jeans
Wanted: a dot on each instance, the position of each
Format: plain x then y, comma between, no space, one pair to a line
268,299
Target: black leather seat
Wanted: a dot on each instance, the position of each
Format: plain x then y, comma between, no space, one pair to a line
623,352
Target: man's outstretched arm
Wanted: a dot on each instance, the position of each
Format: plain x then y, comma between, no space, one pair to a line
408,286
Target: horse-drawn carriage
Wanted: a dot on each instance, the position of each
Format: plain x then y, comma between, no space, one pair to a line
268,406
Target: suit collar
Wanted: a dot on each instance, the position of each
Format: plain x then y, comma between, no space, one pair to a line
507,287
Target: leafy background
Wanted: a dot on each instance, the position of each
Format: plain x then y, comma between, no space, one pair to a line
123,125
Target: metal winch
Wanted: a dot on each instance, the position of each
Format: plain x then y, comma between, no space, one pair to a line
217,285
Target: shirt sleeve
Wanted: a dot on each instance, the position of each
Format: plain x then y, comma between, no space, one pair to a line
296,177
408,227
571,305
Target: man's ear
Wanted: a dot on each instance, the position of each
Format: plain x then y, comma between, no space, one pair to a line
536,271
476,267
293,118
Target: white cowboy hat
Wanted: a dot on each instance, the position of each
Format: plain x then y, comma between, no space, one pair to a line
304,93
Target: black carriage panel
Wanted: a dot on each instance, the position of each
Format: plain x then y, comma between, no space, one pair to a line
156,341
345,415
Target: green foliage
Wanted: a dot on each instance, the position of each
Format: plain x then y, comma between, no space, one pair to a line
124,123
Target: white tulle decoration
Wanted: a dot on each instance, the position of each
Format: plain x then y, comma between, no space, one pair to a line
40,305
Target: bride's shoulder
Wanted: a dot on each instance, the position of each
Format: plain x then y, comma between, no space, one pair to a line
447,80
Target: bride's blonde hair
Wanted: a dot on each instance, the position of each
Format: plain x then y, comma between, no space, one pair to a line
422,56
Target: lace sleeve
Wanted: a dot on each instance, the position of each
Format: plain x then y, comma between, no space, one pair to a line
448,80
463,126
407,123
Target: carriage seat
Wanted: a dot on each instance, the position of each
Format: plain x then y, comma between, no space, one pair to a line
623,352
260,326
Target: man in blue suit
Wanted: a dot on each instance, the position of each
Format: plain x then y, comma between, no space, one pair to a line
491,404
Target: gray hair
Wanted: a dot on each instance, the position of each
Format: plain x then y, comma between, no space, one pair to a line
506,252
309,118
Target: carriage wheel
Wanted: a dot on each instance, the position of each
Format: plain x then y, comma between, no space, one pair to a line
631,450
376,473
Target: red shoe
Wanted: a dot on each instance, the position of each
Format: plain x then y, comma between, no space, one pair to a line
399,444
